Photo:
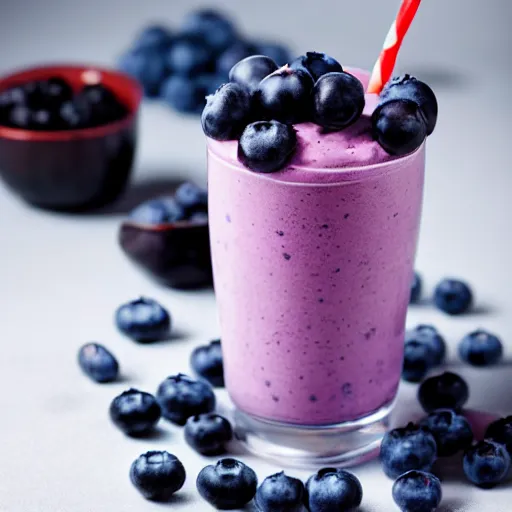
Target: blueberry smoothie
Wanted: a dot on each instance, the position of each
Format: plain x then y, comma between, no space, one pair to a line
313,261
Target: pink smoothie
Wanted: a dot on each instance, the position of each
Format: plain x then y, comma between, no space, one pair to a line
312,269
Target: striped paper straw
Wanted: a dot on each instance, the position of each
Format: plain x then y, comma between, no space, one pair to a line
383,68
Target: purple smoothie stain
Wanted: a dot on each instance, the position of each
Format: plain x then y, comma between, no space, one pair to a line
346,216
312,398
325,226
280,233
268,383
286,256
275,398
228,217
321,300
369,334
395,214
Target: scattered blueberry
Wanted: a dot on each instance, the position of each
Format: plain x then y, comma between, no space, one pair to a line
228,485
445,391
250,71
428,335
147,66
184,94
157,475
181,397
218,31
233,54
135,412
338,100
280,492
415,288
417,491
266,146
143,320
285,95
56,91
188,55
486,464
316,64
97,362
227,112
500,431
279,53
406,448
418,360
409,88
154,37
191,198
398,126
161,210
451,431
332,490
453,296
206,361
208,433
481,348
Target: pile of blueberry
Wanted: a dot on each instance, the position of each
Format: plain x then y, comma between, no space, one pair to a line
183,67
52,104
261,103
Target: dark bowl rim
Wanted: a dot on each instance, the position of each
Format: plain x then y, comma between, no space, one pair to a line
7,132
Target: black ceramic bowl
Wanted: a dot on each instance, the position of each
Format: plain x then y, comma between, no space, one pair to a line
74,169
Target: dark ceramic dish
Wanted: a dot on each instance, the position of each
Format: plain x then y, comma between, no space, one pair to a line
76,169
177,255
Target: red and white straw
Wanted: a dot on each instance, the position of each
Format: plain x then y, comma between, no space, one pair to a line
385,64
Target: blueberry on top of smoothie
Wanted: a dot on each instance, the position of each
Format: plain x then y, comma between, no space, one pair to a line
399,126
250,71
266,146
409,88
285,95
316,64
227,112
338,100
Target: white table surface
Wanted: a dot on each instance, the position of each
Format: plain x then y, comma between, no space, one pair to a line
62,277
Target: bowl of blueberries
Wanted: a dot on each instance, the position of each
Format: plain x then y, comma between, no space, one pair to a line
68,134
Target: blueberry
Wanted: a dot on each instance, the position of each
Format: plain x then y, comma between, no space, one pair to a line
12,97
266,146
428,335
154,37
332,490
218,31
250,71
102,104
228,485
206,361
208,433
21,117
56,91
481,348
184,94
451,431
317,64
409,88
279,53
453,296
486,464
73,115
338,100
135,412
280,492
406,448
157,475
232,55
45,120
418,360
34,94
227,112
399,126
182,397
147,66
500,431
144,320
189,55
161,210
191,197
416,286
445,391
97,362
417,491
285,95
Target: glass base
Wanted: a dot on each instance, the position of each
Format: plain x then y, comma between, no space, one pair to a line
341,445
